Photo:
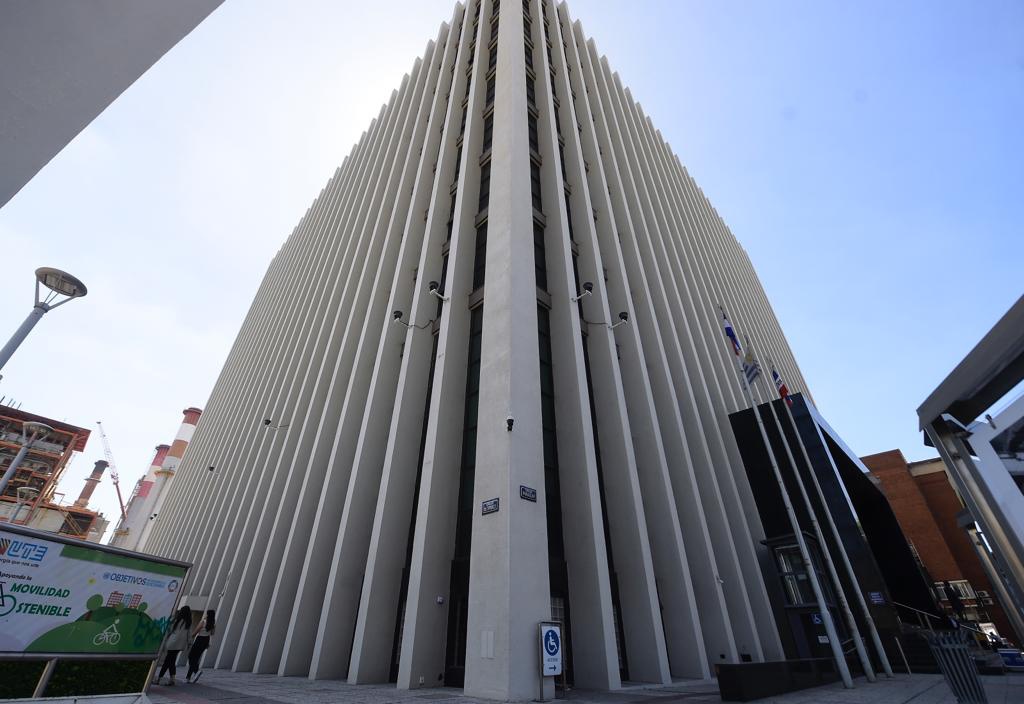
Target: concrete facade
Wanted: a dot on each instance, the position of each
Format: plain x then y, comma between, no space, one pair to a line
62,64
505,298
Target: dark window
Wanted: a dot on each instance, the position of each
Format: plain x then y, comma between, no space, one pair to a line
488,132
489,98
527,25
480,256
561,159
529,57
540,264
455,657
535,185
485,185
531,126
531,91
568,215
462,124
492,58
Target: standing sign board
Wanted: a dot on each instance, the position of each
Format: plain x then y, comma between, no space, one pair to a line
550,649
62,596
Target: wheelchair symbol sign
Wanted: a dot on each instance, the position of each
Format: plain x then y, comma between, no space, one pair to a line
550,649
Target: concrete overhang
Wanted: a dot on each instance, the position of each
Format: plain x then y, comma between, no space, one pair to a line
992,368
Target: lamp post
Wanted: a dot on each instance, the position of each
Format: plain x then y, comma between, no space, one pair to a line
30,432
58,283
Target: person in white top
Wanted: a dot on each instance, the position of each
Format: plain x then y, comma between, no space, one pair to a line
202,634
177,640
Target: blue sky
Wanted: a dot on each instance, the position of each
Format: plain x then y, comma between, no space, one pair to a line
868,155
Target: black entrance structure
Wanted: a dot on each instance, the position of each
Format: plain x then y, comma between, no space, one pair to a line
887,574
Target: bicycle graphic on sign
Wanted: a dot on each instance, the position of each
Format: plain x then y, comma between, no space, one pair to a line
108,635
7,601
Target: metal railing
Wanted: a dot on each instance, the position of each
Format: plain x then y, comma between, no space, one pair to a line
952,653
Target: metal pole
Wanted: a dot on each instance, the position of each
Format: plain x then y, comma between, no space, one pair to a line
21,333
844,606
44,679
875,638
13,467
826,616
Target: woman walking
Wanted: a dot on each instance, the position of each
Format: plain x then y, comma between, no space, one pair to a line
200,643
177,640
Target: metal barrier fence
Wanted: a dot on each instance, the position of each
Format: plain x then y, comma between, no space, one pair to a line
951,651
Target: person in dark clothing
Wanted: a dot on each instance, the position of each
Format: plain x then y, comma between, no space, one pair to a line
203,633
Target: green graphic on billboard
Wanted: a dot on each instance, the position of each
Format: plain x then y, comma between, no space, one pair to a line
63,598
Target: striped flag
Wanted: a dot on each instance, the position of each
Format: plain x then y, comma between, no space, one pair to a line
781,386
751,369
731,334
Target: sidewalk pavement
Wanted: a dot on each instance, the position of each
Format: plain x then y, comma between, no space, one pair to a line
224,687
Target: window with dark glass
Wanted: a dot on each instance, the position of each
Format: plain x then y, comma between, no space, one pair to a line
480,256
492,58
529,56
488,132
531,91
540,264
531,126
535,185
485,185
489,97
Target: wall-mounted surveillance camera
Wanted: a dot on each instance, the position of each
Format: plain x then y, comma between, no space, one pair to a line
588,289
509,422
433,287
396,317
623,319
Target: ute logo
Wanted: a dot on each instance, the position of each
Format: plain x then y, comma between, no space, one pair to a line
19,549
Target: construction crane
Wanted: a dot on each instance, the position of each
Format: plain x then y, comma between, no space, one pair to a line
113,469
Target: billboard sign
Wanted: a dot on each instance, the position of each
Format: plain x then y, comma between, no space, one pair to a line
62,596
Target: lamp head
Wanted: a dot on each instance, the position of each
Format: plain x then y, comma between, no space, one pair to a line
397,315
624,316
432,286
588,287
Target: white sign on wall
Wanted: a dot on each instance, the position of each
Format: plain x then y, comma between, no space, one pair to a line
550,649
71,597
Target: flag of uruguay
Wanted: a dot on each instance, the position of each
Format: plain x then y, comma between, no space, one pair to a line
751,369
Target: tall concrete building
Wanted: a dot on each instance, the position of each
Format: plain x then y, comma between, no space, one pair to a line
62,64
483,385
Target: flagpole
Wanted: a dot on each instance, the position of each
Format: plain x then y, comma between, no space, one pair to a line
826,616
875,639
844,605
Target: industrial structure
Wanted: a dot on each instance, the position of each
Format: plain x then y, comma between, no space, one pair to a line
31,497
152,487
482,385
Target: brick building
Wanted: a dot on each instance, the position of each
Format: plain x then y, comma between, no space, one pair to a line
928,509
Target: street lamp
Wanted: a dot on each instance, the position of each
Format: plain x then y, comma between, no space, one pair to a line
62,288
30,433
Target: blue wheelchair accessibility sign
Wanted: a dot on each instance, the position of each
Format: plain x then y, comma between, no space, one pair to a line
550,649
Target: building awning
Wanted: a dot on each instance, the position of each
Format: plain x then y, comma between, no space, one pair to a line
986,374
